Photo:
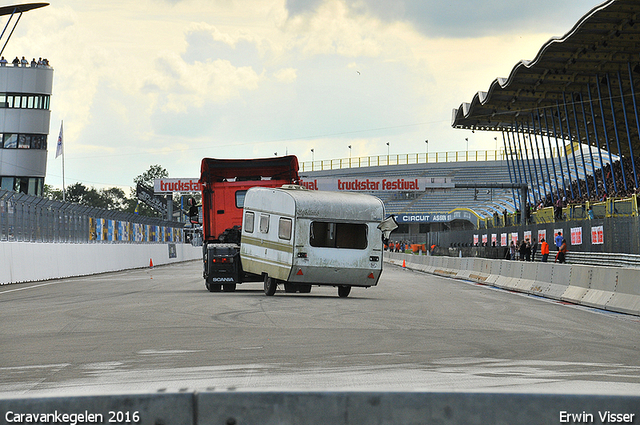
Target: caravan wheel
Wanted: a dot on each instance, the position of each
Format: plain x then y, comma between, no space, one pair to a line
343,291
270,285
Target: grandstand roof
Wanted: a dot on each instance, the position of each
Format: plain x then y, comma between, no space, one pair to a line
601,50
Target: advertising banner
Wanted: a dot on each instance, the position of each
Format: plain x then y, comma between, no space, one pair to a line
390,184
183,185
576,236
597,235
542,234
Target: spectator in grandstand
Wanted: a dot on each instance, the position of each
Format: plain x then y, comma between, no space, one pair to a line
544,250
557,211
512,250
527,213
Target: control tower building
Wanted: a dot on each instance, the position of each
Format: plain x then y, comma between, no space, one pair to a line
25,91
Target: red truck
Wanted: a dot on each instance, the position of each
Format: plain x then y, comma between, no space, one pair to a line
225,183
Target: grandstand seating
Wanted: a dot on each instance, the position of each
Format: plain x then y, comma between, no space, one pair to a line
484,202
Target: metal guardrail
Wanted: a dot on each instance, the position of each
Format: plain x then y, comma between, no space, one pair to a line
612,207
403,159
26,218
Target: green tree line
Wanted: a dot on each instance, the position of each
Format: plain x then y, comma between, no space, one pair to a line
113,198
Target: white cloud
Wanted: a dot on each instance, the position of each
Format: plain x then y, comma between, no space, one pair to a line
245,77
285,75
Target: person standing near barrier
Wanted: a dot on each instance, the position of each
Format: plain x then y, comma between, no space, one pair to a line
562,252
544,250
558,240
534,249
512,250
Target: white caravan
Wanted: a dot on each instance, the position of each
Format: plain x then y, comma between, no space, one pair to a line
302,237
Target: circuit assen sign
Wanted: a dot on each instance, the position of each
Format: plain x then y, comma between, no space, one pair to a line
185,185
393,184
437,217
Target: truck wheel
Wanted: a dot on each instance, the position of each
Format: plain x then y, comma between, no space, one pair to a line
212,287
270,285
229,287
304,289
343,291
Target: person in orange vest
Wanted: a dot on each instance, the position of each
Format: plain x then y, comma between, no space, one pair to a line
544,250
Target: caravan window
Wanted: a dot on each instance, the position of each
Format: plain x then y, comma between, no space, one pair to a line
264,223
338,235
284,228
249,219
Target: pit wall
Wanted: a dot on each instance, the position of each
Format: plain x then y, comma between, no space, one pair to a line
608,288
27,261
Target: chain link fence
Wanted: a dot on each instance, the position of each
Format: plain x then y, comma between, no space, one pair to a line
26,218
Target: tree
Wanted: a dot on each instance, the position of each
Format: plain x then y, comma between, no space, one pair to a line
146,179
154,172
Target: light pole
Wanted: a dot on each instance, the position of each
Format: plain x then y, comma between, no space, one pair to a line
467,152
349,156
427,142
387,153
312,155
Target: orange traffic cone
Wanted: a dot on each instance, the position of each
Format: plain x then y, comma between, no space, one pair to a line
150,263
404,264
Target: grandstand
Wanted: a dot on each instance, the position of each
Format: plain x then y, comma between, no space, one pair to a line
483,202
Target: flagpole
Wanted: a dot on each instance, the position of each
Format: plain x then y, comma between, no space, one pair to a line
60,151
64,188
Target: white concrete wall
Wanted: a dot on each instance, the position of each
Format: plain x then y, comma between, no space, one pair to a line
608,288
25,261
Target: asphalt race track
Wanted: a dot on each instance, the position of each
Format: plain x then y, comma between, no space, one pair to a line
160,330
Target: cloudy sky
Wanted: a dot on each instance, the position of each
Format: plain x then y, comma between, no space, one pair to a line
172,81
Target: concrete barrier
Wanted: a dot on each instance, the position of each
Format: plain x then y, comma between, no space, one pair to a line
579,283
604,281
559,281
27,261
139,409
610,288
626,297
336,408
527,280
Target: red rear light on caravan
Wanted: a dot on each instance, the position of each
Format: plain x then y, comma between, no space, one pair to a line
371,276
299,272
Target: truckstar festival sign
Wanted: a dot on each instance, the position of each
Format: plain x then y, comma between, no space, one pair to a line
176,185
392,184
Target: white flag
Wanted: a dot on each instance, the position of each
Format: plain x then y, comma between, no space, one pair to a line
59,145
